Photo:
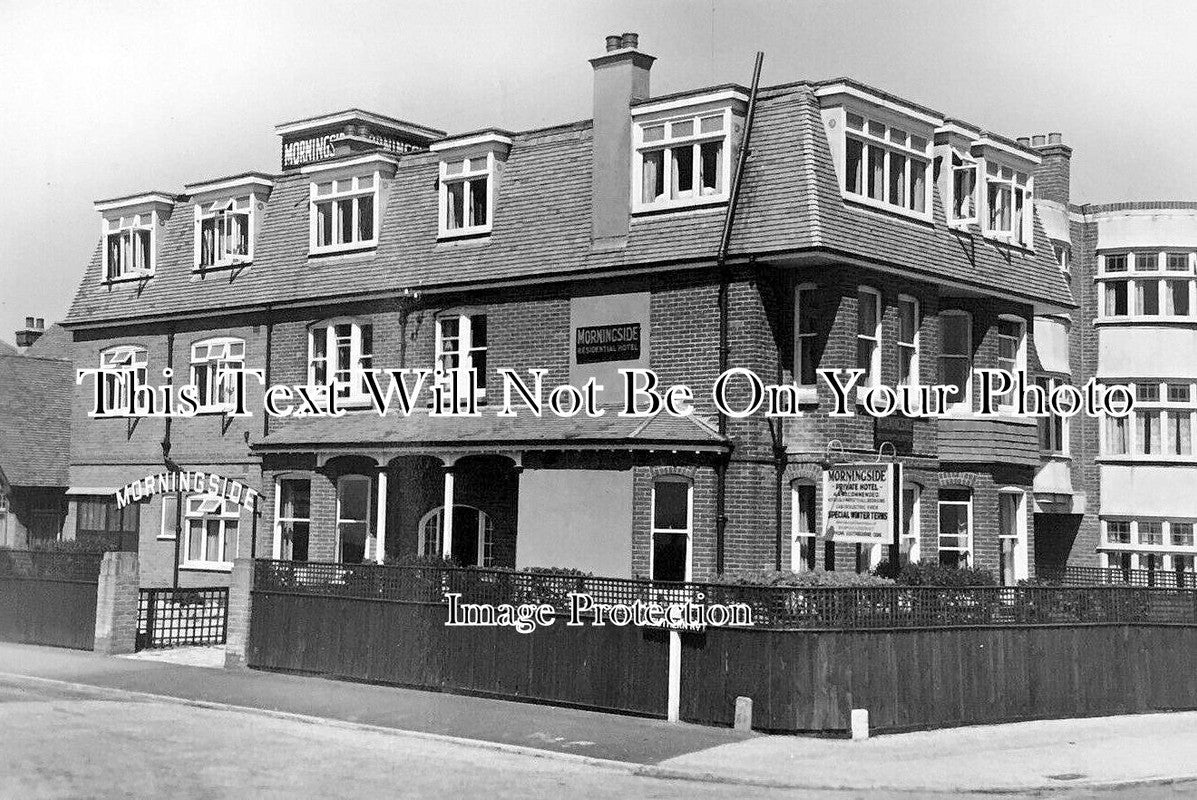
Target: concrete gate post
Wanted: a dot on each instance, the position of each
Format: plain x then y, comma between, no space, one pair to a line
116,604
236,648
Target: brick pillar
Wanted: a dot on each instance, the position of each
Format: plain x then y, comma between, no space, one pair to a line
236,649
116,604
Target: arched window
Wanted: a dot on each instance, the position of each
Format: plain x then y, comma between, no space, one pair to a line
672,524
473,536
211,361
127,370
803,526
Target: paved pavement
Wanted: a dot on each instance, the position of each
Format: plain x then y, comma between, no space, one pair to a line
64,713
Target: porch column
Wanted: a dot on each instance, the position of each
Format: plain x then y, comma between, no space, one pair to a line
380,538
447,521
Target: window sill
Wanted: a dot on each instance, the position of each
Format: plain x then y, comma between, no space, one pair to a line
222,266
1139,458
878,205
207,566
129,278
1007,240
689,203
1139,319
343,249
1048,455
464,233
166,537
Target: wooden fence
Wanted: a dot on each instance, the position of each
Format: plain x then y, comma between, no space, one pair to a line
49,598
915,657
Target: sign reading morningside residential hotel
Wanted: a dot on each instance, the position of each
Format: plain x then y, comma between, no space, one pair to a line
863,502
598,343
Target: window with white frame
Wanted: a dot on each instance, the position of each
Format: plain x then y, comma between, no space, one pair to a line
868,335
803,526
340,353
170,517
1012,353
1161,426
1161,285
461,346
1053,430
886,166
211,363
293,519
353,517
1064,259
223,232
210,535
908,340
1013,559
1010,213
466,195
344,213
908,544
964,189
672,524
126,367
1151,544
955,527
682,161
129,246
805,335
956,357
473,536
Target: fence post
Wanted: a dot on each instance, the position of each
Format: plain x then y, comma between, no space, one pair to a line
236,648
116,604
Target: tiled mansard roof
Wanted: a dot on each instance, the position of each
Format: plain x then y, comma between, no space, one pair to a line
790,203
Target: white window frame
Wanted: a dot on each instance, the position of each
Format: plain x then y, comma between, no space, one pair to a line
165,531
465,352
133,363
222,213
1167,548
1019,362
642,147
220,385
688,531
345,187
1164,407
432,525
940,503
809,290
1053,427
472,168
355,393
965,404
1021,557
889,142
967,163
128,226
201,508
281,519
913,346
1132,275
370,525
915,508
874,377
796,518
1014,180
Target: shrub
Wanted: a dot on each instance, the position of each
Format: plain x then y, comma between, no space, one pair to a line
921,573
786,578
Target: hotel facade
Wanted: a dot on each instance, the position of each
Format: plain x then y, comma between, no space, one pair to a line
868,232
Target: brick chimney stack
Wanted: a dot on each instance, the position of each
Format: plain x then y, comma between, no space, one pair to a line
1053,178
33,330
620,78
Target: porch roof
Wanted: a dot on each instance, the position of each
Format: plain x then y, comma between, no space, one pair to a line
421,431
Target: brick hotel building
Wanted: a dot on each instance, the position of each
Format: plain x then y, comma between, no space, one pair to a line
869,231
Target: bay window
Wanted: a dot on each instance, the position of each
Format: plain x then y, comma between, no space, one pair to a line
1161,426
1164,548
1161,285
461,346
886,166
682,161
339,354
1010,213
956,357
211,362
210,535
126,367
223,231
344,213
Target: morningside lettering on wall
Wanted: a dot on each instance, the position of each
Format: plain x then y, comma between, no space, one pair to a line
192,482
597,343
297,152
863,502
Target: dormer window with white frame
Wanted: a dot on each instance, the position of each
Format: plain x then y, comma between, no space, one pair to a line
1009,210
963,206
469,174
345,203
227,219
886,166
130,230
682,152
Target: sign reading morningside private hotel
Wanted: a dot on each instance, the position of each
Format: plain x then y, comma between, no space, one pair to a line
863,502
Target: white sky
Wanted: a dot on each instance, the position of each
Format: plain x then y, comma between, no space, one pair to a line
99,99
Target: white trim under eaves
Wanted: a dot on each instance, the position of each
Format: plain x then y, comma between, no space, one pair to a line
689,101
393,124
330,166
851,91
147,199
246,183
91,491
959,130
1014,152
487,138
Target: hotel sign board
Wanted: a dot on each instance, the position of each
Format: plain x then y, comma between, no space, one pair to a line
862,502
598,343
311,149
208,484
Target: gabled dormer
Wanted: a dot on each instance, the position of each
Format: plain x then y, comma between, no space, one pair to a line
471,167
228,214
132,228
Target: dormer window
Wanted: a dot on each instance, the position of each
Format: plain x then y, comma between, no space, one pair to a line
469,174
345,203
1007,196
964,189
885,165
224,232
129,247
682,151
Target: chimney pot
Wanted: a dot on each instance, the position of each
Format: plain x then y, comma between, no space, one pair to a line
1055,138
40,324
631,40
28,322
1025,141
614,43
1039,140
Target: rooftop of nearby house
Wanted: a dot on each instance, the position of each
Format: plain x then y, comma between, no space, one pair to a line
35,411
540,224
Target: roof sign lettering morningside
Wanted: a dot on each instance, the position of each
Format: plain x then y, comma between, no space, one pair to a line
311,141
